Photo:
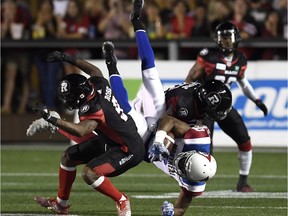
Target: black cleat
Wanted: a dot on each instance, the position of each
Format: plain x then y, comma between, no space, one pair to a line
108,52
137,7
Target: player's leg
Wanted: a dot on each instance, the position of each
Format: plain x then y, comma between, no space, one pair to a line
112,163
153,92
73,156
116,82
240,135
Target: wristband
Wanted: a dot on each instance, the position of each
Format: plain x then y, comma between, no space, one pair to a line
52,120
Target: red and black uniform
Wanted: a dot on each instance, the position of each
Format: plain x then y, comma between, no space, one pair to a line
184,101
118,146
216,67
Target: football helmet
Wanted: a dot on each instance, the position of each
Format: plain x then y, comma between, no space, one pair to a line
195,166
73,90
216,99
227,37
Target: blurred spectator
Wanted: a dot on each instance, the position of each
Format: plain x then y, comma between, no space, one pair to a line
15,22
60,7
201,27
152,21
181,24
45,26
166,12
259,10
94,13
273,28
245,23
281,7
116,24
74,26
219,11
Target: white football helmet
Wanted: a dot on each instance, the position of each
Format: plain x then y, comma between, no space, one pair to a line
195,166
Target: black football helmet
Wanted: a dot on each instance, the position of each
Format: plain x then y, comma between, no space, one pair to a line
216,99
73,90
224,31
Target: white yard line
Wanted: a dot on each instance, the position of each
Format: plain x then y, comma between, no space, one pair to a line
156,175
225,194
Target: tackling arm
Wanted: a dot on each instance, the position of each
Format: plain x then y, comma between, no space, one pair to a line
195,73
83,65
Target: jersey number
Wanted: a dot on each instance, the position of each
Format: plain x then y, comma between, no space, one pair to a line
223,79
118,109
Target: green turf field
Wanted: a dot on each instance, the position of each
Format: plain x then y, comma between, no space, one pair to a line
30,171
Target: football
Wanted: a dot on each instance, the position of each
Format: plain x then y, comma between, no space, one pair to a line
169,141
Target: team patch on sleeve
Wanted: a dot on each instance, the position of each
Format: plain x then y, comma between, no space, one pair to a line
204,52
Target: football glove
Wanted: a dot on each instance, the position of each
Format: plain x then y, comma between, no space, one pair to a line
57,56
167,209
261,106
158,152
45,114
40,125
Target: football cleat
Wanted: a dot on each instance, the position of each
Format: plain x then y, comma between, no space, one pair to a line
244,188
108,52
41,125
123,207
137,7
52,204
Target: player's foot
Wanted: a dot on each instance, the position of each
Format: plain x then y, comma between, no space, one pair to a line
123,207
52,204
244,188
137,7
108,52
41,125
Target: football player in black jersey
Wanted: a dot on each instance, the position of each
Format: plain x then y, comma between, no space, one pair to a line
116,148
228,65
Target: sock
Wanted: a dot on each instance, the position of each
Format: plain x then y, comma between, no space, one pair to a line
67,177
112,69
137,24
145,50
63,203
104,186
245,159
242,180
120,92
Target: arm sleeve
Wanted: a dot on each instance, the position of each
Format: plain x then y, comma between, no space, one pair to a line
247,89
75,138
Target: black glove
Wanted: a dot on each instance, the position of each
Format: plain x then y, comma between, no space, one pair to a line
45,114
57,56
261,106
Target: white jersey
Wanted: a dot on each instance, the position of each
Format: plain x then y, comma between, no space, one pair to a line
196,138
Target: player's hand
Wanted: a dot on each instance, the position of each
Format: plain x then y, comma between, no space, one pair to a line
45,114
167,209
158,152
56,56
262,106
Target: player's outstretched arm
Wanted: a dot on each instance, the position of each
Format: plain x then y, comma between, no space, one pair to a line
182,203
83,65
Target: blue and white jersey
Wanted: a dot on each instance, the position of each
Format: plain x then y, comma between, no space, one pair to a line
196,138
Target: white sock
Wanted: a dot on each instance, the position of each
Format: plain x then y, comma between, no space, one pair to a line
245,159
123,198
63,203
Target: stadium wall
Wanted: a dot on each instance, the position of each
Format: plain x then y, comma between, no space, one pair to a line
269,79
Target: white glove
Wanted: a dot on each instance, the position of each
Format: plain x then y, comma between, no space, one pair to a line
158,152
41,125
167,209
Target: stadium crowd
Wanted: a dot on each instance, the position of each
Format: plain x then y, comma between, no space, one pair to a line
26,73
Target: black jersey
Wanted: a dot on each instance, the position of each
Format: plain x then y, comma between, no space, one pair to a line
113,123
216,67
184,101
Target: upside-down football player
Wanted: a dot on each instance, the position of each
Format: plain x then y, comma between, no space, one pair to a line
228,65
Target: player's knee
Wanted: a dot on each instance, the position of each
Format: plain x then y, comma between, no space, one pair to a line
246,146
88,175
65,160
